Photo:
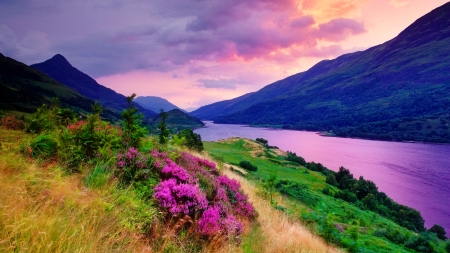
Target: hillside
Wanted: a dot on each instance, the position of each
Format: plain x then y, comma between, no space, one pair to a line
178,120
399,90
24,89
63,191
155,104
61,70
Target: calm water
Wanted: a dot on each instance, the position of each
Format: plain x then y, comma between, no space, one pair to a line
413,174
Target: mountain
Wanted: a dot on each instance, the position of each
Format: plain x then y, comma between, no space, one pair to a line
227,107
178,120
399,90
61,70
155,103
24,89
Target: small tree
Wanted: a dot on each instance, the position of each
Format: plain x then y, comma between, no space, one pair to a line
191,139
163,131
132,130
90,139
439,231
270,186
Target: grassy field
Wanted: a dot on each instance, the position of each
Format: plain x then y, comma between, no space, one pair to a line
337,221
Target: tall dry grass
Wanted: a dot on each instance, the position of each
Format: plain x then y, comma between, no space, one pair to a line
277,233
42,209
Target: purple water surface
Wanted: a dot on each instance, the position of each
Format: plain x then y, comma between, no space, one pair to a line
412,174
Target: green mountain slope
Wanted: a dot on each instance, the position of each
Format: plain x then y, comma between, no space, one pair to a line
24,89
61,70
398,90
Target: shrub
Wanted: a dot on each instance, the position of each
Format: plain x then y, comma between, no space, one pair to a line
43,146
230,192
209,223
11,123
439,231
191,140
419,243
248,166
331,179
180,198
132,165
294,158
264,142
326,191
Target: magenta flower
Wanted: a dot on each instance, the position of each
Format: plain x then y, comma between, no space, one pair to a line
180,198
209,223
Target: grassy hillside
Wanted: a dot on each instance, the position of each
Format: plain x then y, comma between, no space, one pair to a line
306,197
78,185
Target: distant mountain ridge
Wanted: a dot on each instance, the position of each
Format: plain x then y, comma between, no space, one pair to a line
61,70
24,89
155,104
399,90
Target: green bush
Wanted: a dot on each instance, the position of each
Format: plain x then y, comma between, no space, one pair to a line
43,146
419,243
191,140
331,179
248,166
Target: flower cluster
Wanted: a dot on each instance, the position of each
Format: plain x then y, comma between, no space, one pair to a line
191,186
215,219
231,194
180,198
173,170
130,164
194,164
209,223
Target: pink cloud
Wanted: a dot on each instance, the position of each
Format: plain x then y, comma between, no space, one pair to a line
339,29
303,21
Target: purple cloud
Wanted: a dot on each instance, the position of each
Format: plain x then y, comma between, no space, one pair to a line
109,37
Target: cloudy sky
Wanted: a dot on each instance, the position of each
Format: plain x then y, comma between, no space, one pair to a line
195,52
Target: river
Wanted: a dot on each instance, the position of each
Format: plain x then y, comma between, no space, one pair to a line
412,174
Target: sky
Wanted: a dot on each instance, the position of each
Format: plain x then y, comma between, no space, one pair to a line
196,52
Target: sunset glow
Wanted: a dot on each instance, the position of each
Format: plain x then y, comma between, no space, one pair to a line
195,53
